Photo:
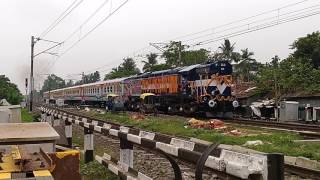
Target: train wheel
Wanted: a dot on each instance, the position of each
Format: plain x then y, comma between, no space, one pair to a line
173,109
189,109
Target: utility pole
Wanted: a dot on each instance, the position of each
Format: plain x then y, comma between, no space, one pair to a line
179,54
82,77
33,42
31,74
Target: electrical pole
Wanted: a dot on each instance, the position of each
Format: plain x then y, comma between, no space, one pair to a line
179,54
33,41
82,77
31,74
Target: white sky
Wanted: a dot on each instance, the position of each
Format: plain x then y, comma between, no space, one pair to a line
135,25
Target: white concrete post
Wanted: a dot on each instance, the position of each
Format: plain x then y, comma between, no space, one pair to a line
276,113
49,119
314,114
68,132
308,113
88,145
126,152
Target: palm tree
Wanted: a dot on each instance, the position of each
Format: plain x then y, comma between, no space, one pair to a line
152,61
228,51
247,63
246,55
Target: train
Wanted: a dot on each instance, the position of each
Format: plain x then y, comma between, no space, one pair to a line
182,90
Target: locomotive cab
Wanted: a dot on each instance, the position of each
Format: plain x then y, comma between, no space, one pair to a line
149,102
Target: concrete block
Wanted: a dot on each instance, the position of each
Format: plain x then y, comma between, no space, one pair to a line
170,149
182,144
290,160
147,135
307,163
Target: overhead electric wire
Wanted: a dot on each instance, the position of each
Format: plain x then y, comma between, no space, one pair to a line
94,28
251,23
240,20
256,28
61,17
235,22
87,20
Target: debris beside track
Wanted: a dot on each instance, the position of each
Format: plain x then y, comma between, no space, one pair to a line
215,124
137,116
212,124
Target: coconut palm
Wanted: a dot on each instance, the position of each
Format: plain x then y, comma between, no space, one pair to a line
152,61
246,64
228,51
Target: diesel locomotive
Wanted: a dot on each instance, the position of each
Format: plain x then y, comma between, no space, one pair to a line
185,90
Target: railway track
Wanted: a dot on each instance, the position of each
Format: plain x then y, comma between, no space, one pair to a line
149,162
302,172
279,125
291,169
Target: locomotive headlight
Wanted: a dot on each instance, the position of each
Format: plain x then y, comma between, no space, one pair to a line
212,103
235,104
169,108
213,93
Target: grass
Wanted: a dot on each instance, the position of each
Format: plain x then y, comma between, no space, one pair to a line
273,141
93,170
26,116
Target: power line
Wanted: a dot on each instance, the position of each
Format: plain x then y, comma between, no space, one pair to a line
87,20
240,20
256,28
251,23
261,20
233,22
94,28
70,8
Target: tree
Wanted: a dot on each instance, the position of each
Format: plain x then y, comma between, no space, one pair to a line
53,82
9,91
308,48
70,83
246,64
227,51
195,56
275,61
173,53
159,67
89,78
127,68
177,55
152,61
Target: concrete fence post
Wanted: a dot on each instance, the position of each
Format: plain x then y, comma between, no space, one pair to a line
43,117
68,132
88,145
126,152
275,166
49,119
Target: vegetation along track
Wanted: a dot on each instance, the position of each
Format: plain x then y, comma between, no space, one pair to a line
290,169
273,124
148,162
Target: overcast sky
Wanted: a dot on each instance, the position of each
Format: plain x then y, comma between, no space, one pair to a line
133,27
